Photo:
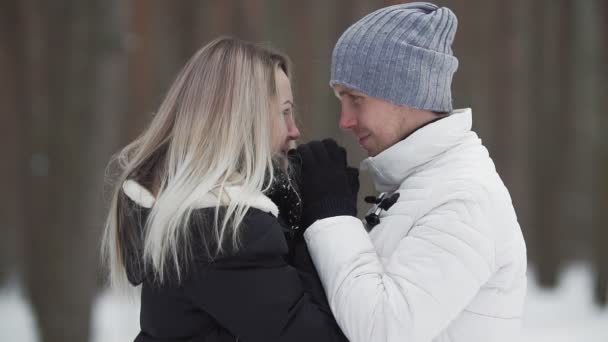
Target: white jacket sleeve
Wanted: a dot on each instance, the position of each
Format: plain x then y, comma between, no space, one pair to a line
412,295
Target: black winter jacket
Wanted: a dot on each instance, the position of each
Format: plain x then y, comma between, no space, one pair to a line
260,292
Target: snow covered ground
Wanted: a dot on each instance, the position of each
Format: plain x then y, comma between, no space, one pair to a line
566,314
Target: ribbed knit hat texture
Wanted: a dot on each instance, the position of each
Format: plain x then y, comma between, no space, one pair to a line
402,54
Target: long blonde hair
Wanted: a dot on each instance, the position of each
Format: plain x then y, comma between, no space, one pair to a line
211,131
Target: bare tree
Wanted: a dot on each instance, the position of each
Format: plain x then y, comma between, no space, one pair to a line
109,108
252,16
513,122
544,121
141,65
36,187
600,233
12,128
562,150
71,136
301,51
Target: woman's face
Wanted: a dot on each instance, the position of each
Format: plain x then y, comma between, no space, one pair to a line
284,129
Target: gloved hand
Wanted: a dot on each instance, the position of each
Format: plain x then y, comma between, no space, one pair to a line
327,185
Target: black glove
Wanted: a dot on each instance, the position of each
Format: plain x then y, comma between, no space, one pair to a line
327,185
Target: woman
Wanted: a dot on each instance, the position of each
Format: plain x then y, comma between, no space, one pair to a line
190,220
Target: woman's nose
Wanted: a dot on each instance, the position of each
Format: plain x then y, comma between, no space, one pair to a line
293,133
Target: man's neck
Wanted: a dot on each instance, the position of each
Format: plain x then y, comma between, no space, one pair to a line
435,119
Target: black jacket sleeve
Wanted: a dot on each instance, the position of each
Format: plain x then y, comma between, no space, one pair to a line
257,296
300,259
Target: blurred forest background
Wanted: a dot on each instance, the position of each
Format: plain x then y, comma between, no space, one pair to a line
79,79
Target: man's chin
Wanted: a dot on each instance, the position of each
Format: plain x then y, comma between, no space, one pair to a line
370,150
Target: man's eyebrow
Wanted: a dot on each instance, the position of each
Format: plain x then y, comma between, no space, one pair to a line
289,102
348,92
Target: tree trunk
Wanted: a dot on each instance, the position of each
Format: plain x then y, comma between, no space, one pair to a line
600,234
110,107
12,124
545,161
36,188
515,139
65,187
301,51
252,16
140,66
503,47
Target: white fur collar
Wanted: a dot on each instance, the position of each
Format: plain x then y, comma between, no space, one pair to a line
140,195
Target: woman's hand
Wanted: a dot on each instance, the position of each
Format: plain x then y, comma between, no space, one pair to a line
327,185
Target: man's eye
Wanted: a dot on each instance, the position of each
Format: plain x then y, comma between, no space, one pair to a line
287,112
356,99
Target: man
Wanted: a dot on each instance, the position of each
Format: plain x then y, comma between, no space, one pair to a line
447,260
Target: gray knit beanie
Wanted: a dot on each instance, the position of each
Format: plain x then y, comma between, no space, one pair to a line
402,54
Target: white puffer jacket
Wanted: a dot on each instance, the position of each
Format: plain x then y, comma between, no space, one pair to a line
447,261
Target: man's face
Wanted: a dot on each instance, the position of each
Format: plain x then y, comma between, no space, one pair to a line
376,123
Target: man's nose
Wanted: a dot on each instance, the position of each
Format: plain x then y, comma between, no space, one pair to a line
347,119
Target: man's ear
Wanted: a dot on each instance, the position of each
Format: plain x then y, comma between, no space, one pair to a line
336,93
